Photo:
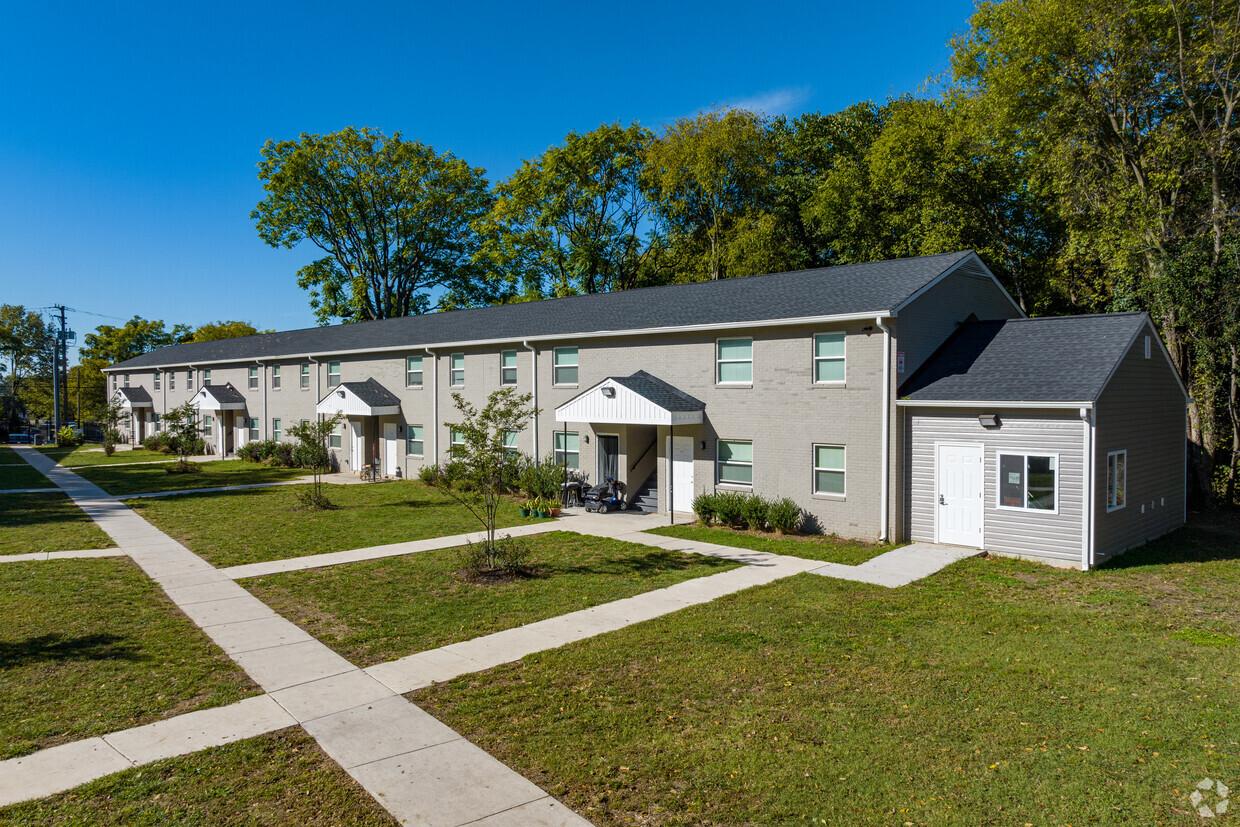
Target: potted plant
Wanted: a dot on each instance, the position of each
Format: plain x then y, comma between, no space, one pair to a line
554,507
544,510
525,508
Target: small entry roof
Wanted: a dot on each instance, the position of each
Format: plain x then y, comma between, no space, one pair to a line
219,398
640,399
367,398
131,398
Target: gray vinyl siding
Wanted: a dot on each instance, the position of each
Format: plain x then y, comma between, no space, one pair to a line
1141,411
1006,531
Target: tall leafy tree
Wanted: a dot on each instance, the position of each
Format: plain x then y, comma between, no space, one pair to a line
214,331
109,344
26,343
394,217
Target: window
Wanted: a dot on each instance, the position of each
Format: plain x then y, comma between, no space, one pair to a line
189,380
456,438
254,378
253,426
305,376
413,373
275,377
457,373
155,420
1117,479
829,357
156,380
1028,481
172,380
734,463
413,440
333,374
114,381
829,469
126,380
206,378
333,439
734,360
275,429
508,367
206,424
564,366
568,449
510,442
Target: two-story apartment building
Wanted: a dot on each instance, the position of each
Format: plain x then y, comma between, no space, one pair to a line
873,395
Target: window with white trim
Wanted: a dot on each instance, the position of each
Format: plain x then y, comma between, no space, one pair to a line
564,366
333,439
568,449
156,380
305,376
253,427
456,439
172,380
206,378
1028,481
189,380
414,445
333,374
828,358
734,361
508,367
734,462
829,470
1117,479
413,371
275,377
275,429
114,381
510,442
456,371
253,378
206,424
126,380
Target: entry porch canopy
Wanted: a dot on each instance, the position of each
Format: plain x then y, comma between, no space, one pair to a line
131,399
640,399
216,398
355,399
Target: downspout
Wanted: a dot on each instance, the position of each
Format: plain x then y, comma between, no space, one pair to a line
885,437
1087,509
434,406
534,375
1092,501
265,417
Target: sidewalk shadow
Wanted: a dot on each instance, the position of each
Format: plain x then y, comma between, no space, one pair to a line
54,647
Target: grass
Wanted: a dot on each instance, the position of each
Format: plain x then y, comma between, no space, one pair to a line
828,549
9,457
14,476
384,609
231,529
995,692
46,522
279,778
145,479
94,455
92,646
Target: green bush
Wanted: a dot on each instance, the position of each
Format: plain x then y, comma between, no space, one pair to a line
785,516
540,478
509,556
730,509
66,438
429,474
281,455
311,456
705,507
250,452
754,510
157,443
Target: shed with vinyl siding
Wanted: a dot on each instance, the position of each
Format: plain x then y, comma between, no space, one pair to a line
1060,439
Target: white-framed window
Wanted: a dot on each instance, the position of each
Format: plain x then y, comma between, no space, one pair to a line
172,380
114,381
253,428
413,440
456,438
126,380
206,378
564,366
734,462
734,361
829,470
189,380
275,377
457,370
828,358
253,378
333,439
510,442
155,420
206,424
568,448
1117,479
508,367
333,374
413,372
1028,480
305,376
275,430
156,380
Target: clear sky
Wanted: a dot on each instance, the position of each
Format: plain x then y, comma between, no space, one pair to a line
129,133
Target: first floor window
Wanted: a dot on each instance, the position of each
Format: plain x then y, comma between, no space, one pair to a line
333,440
564,366
510,442
829,357
275,377
206,424
456,439
508,367
253,427
413,371
305,376
457,373
155,420
413,440
568,449
1028,481
1117,479
275,429
254,378
829,469
734,361
333,374
735,462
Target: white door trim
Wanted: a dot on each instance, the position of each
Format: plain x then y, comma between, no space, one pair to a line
981,493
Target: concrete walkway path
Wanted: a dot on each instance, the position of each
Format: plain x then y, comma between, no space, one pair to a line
63,555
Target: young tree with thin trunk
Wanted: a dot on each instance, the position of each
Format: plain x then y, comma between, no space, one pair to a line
311,452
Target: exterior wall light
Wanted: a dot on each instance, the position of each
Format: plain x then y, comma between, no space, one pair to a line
609,392
989,420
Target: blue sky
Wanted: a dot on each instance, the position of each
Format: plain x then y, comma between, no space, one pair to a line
129,133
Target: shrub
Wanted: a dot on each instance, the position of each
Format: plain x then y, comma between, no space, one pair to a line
250,452
311,455
785,516
754,510
158,443
65,437
429,474
281,455
111,436
540,478
705,507
508,555
730,509
180,467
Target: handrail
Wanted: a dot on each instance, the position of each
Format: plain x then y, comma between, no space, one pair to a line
643,455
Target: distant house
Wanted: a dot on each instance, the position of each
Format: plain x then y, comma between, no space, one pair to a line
904,399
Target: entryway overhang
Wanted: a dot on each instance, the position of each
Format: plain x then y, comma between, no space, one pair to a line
216,398
640,399
130,399
352,399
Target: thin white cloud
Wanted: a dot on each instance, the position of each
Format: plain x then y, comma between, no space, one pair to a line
775,102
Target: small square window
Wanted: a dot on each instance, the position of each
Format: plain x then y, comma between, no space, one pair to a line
734,362
508,367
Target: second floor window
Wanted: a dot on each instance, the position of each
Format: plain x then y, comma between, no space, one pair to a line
734,361
413,371
172,381
156,380
458,370
564,366
829,357
189,380
508,367
275,379
206,378
333,374
254,378
305,376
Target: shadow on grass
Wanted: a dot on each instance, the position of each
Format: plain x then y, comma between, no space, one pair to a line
53,647
648,564
51,509
1208,537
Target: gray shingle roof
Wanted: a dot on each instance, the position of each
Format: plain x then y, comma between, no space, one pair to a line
1046,359
225,394
372,393
135,394
826,291
667,397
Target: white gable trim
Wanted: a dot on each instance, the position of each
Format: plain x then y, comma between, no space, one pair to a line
124,403
204,401
344,401
625,408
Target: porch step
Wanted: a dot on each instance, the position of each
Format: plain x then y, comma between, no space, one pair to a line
646,500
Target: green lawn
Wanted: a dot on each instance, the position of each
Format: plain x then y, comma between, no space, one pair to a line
384,609
93,455
142,479
995,692
14,476
46,522
828,549
9,457
280,778
230,529
92,646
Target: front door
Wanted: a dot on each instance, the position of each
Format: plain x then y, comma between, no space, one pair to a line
958,504
608,457
389,449
357,447
682,473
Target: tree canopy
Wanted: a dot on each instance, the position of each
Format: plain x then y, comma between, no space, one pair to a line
214,331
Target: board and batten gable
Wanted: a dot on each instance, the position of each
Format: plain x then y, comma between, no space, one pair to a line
1051,537
1141,411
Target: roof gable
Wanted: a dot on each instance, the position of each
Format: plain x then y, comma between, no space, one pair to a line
640,399
367,398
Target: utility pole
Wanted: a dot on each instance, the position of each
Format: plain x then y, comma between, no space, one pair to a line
60,360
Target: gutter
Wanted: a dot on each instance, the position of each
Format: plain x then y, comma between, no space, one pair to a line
534,373
985,403
885,476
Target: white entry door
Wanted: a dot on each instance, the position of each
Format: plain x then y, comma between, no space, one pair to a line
681,452
958,507
389,449
357,454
